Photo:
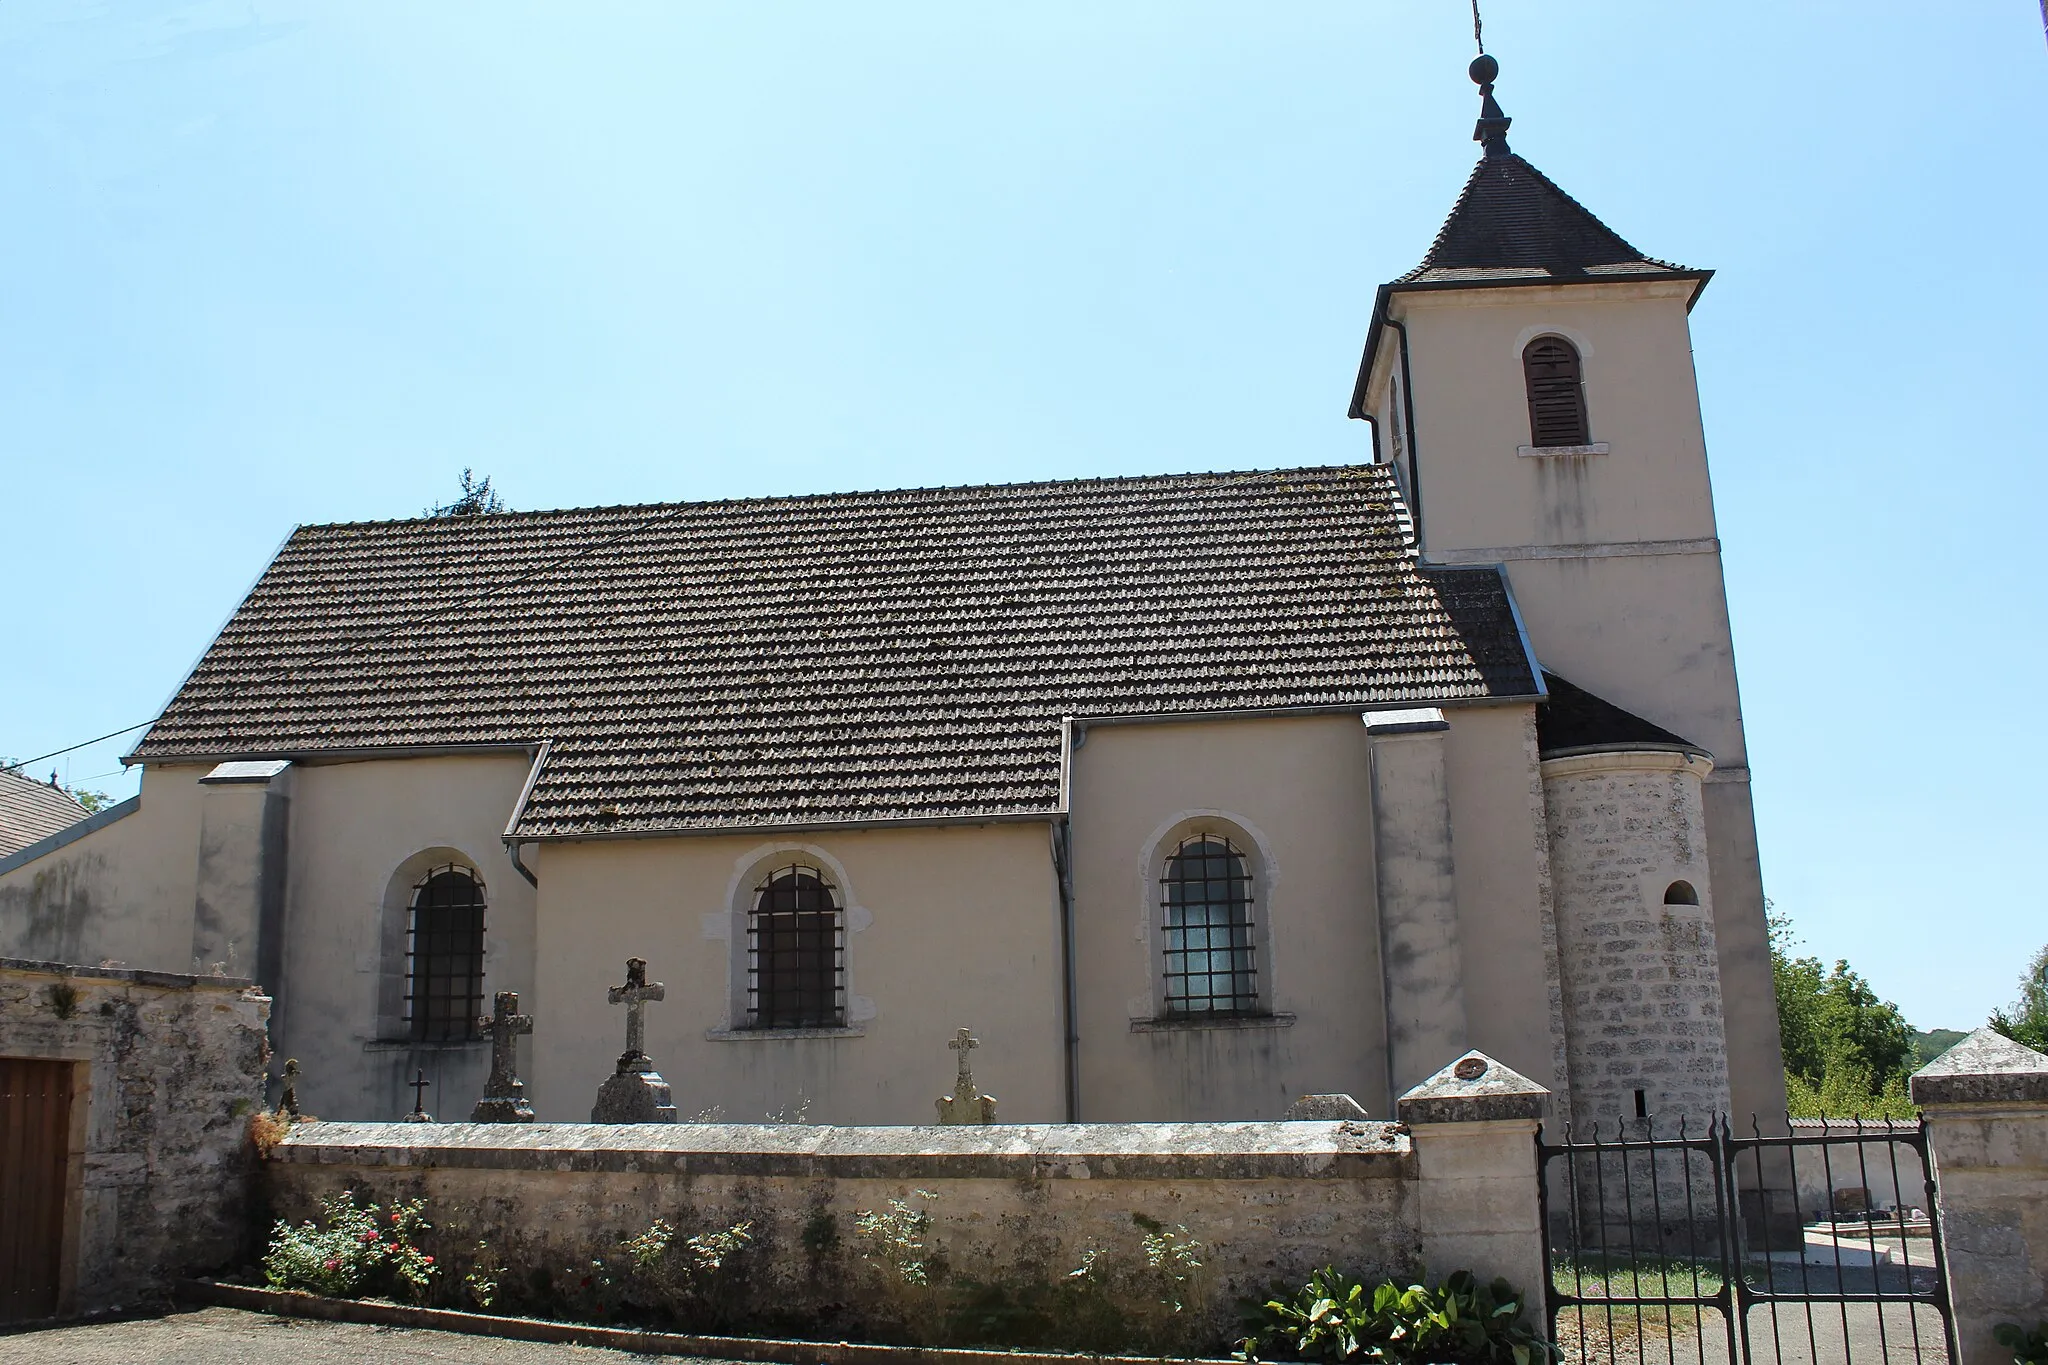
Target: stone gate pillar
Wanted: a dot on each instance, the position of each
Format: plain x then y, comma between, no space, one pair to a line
1986,1105
1474,1129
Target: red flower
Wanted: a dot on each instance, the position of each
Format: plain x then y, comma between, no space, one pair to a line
394,1217
428,1259
333,1264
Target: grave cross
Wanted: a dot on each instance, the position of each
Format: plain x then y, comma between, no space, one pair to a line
962,1044
634,995
419,1084
966,1104
504,1099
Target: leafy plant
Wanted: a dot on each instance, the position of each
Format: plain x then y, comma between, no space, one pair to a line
484,1277
2026,1020
1171,1255
2028,1348
896,1237
360,1250
1335,1317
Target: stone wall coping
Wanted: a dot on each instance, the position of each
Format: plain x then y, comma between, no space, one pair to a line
1351,1149
1580,762
132,975
1473,1089
1985,1068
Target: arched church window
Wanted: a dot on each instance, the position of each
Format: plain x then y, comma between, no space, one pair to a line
1557,393
796,952
1681,893
1205,895
444,955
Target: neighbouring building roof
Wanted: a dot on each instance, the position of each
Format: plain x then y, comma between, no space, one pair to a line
1572,720
847,657
1512,224
32,811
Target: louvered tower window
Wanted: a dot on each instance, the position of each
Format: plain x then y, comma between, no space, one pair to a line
444,956
796,952
1206,896
1557,393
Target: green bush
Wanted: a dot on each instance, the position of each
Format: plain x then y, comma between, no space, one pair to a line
2028,1348
1335,1317
361,1251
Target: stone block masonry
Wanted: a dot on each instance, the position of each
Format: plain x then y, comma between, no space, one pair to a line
1644,1033
163,1073
1013,1209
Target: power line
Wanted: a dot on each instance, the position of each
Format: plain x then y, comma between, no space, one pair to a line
365,640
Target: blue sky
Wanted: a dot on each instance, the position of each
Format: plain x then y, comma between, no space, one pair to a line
270,263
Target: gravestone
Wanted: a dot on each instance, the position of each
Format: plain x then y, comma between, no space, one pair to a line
966,1104
288,1102
419,1084
1325,1107
504,1098
635,1091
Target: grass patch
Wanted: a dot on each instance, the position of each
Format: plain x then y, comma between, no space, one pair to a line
1605,1326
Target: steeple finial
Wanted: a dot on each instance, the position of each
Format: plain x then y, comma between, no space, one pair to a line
1492,129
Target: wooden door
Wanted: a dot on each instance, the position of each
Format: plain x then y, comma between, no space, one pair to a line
35,1137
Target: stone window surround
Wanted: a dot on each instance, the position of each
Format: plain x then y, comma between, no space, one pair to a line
1148,1013
730,925
1584,347
392,1028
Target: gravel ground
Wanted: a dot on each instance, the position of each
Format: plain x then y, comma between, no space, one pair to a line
231,1336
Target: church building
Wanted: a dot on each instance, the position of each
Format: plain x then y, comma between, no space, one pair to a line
1189,794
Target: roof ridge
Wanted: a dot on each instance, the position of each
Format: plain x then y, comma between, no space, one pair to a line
1212,478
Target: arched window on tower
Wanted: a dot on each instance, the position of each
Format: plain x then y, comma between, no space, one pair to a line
444,955
1557,393
1681,893
1205,894
796,952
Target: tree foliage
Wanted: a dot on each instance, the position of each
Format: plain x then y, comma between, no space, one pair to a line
478,499
1847,1053
2025,1021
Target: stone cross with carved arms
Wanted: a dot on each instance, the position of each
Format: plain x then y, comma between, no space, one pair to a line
504,1099
966,1104
634,995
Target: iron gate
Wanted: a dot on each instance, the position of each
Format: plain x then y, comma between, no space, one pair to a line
1694,1245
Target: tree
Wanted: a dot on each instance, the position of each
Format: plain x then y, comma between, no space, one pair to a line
478,499
1846,1051
2026,1021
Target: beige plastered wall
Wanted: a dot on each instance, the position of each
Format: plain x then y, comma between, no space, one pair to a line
1295,793
361,835
1613,557
123,893
947,927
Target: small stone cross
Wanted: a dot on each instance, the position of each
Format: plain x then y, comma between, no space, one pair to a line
634,995
504,1099
419,1084
289,1100
966,1104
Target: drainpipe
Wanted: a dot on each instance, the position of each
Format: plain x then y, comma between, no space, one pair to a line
1374,423
1408,412
521,868
1063,870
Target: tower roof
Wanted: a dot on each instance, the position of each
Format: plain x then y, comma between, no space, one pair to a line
1512,223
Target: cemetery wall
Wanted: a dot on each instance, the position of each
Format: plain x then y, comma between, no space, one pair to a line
1014,1209
157,1166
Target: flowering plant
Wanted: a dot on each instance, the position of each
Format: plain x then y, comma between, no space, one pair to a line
363,1249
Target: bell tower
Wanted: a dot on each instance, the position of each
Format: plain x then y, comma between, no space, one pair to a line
1531,381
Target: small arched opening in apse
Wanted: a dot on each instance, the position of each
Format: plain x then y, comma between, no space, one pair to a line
1681,893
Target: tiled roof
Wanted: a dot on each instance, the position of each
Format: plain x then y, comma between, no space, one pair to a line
868,656
1512,223
1572,719
32,811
